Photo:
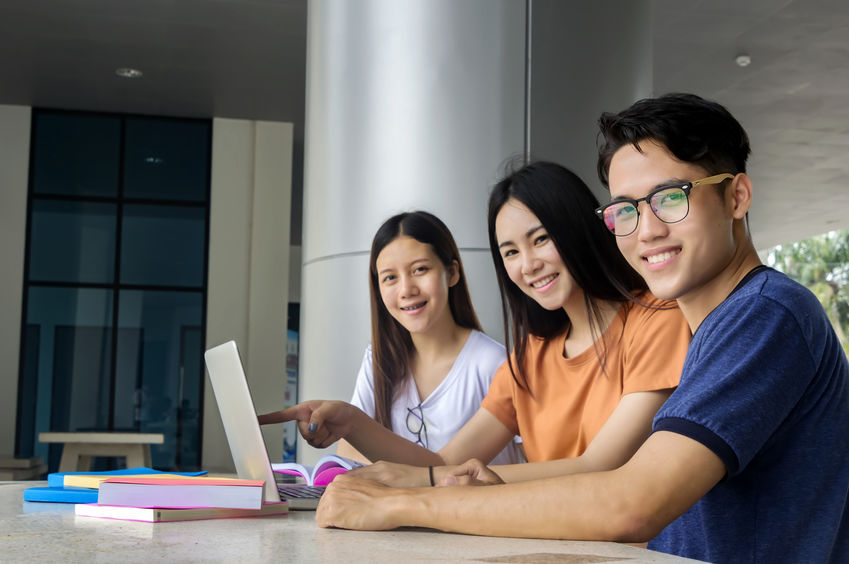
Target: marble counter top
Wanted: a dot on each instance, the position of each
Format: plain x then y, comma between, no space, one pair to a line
50,532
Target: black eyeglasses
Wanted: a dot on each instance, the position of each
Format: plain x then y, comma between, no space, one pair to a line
670,204
416,424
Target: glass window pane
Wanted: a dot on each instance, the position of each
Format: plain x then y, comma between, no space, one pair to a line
163,245
69,331
166,159
76,154
160,371
72,242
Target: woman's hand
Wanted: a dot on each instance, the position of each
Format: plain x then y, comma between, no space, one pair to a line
393,474
320,422
470,473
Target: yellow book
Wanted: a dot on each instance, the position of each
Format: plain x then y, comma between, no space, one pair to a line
93,480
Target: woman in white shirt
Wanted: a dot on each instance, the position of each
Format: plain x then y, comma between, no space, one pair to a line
429,365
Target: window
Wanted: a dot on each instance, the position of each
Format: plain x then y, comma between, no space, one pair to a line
115,281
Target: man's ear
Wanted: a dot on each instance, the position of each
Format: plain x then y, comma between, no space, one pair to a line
738,196
453,273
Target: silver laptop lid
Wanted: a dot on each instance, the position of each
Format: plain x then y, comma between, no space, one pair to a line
239,416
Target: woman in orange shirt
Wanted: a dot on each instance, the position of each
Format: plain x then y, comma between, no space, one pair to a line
594,354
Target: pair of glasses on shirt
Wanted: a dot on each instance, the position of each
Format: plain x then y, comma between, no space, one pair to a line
416,424
670,204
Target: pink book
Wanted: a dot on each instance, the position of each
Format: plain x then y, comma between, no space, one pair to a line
181,493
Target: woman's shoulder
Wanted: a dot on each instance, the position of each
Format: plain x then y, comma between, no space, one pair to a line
646,304
648,312
481,349
368,361
484,341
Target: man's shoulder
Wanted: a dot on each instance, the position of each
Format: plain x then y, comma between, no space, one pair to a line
768,294
778,291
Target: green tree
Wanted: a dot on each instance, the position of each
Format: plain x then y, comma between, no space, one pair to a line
821,263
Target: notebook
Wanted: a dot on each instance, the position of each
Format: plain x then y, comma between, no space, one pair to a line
242,428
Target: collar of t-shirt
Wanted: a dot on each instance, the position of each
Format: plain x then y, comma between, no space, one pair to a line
749,275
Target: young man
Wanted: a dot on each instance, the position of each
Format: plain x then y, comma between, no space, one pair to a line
748,460
764,387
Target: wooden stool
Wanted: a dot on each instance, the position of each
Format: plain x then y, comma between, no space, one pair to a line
80,447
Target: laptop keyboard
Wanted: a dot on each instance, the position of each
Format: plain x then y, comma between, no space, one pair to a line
300,491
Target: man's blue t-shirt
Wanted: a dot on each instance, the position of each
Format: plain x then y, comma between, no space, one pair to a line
765,386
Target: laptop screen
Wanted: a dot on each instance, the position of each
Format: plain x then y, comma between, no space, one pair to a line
239,416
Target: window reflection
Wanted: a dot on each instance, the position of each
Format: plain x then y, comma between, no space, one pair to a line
72,241
163,245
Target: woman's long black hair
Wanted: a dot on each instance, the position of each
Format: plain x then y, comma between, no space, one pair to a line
565,207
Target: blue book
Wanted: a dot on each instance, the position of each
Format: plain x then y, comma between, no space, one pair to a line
61,495
57,492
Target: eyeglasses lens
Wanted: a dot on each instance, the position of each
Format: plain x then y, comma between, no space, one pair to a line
414,422
416,425
621,218
670,205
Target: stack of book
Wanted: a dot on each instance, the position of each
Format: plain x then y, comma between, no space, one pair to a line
179,498
75,487
143,494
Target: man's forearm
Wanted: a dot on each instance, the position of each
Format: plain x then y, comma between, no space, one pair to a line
581,507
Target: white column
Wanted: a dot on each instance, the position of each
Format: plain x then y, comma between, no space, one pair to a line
410,105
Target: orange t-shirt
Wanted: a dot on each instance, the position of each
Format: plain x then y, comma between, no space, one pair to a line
573,398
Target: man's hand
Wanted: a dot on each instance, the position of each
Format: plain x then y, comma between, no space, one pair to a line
364,505
320,422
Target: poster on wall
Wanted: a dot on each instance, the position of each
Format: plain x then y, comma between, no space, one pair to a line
290,428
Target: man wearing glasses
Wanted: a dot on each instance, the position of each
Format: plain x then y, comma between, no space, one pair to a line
753,442
749,458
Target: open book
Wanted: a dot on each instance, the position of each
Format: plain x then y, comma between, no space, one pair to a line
327,468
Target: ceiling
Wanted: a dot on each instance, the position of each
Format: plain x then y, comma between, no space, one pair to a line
246,59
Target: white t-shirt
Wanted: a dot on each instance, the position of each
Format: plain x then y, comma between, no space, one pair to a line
450,405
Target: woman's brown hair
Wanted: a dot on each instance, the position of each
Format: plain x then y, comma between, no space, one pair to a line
391,343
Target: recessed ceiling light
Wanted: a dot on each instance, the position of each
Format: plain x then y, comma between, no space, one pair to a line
127,72
743,60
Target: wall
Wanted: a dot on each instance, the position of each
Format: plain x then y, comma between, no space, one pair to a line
248,290
608,67
14,170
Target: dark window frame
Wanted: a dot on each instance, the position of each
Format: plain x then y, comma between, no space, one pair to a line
116,286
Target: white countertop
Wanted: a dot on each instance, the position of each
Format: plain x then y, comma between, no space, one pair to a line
50,532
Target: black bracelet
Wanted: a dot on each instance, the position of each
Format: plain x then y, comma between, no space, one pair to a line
430,473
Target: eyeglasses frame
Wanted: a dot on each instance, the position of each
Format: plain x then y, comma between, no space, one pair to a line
684,187
422,428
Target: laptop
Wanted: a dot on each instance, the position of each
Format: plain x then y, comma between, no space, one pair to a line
242,429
